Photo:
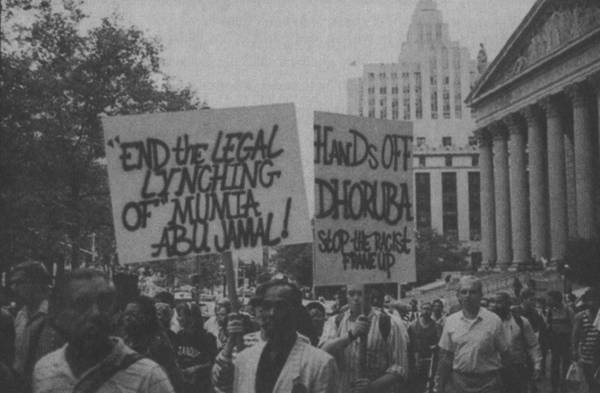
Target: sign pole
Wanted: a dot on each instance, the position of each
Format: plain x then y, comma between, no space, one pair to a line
237,340
362,349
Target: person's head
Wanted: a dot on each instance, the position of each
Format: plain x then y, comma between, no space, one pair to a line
484,302
341,297
82,307
356,299
30,281
469,293
591,299
139,317
281,306
555,299
184,315
387,301
502,304
413,304
222,309
437,307
317,315
165,297
164,313
376,298
426,310
528,299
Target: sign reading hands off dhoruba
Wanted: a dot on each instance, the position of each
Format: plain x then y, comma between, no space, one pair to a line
363,200
207,181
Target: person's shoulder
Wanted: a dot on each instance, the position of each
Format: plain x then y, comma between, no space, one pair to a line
316,355
49,363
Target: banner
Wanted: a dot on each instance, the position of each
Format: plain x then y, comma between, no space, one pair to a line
206,181
364,218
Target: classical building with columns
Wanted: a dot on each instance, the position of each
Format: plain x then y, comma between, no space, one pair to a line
536,111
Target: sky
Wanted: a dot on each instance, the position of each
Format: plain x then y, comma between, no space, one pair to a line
254,52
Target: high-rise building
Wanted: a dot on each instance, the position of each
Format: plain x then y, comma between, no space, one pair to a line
428,86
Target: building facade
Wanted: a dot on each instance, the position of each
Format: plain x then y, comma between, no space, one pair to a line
428,86
536,110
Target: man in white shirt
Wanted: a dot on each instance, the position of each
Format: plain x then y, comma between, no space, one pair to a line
524,360
472,345
92,361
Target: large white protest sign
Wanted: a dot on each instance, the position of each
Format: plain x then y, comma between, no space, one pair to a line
207,181
364,218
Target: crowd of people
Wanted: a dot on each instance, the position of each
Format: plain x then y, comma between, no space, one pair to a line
81,335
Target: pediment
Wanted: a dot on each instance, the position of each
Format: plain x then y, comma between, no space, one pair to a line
550,26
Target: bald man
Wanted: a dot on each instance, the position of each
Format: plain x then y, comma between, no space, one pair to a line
472,345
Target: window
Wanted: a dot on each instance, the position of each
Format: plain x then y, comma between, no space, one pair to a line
371,90
474,160
371,112
420,141
472,141
448,161
383,113
422,161
434,104
474,206
395,113
382,75
418,97
438,31
382,102
371,101
394,75
394,89
447,141
423,199
449,205
371,75
382,90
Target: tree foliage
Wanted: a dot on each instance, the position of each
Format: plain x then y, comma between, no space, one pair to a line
295,261
57,79
436,253
581,261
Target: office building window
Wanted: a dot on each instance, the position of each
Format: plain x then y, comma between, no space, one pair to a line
418,96
382,75
474,206
423,199
422,161
420,141
394,89
382,90
394,75
458,105
448,161
406,108
371,75
447,141
475,160
371,90
434,103
383,113
371,112
472,141
446,103
449,205
395,113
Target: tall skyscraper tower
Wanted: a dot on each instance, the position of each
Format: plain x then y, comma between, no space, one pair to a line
428,86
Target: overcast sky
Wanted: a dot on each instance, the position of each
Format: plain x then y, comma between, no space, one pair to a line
252,52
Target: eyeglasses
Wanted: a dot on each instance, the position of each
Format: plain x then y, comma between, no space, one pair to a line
469,292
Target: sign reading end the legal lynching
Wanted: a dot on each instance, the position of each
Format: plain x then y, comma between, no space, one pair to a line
203,182
363,200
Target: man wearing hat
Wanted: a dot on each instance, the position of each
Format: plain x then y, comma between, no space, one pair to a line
30,283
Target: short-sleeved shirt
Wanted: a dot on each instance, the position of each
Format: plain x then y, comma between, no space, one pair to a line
387,355
53,374
475,343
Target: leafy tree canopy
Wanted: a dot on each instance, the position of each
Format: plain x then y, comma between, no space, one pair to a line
295,261
436,253
58,77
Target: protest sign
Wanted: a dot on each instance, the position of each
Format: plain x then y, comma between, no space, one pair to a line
364,218
207,181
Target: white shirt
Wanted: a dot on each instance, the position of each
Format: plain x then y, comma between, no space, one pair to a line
476,343
52,374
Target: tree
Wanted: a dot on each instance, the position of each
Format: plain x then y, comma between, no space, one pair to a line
436,253
57,80
581,261
295,261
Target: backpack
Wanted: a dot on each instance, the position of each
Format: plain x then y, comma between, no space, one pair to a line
385,324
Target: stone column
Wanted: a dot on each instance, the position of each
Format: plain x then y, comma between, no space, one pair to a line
519,203
502,196
583,141
538,187
488,211
595,83
557,181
